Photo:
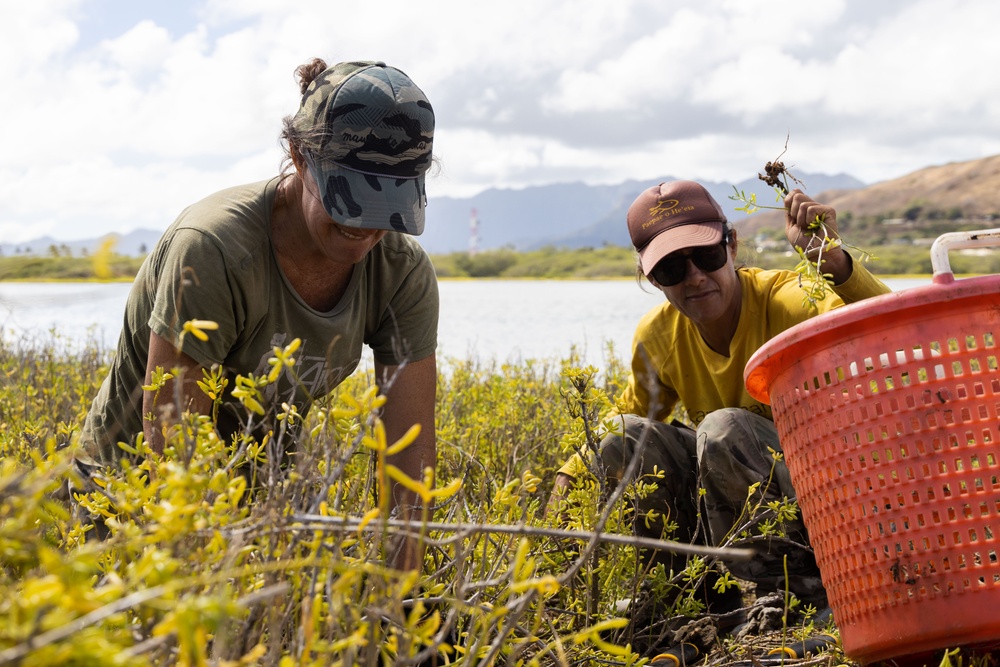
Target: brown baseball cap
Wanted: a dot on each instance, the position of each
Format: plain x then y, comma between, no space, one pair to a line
671,216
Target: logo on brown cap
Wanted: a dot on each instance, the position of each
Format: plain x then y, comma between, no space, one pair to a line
664,205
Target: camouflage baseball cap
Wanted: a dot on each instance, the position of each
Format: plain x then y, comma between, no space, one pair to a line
368,132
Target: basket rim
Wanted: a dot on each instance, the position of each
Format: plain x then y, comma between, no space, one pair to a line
796,343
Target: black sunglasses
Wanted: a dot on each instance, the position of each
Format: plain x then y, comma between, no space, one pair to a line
673,268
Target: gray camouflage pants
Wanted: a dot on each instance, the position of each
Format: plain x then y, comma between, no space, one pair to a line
728,453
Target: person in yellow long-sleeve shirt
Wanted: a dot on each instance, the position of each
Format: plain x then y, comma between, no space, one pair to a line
693,349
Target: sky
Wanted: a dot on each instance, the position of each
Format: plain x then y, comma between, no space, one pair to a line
118,113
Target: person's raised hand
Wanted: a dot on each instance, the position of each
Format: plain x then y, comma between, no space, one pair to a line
809,225
812,228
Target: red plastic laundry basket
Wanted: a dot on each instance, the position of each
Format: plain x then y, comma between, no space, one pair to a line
888,411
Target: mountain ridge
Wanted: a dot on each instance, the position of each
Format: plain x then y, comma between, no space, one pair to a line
966,191
575,215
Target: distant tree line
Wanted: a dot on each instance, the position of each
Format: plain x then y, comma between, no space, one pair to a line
583,263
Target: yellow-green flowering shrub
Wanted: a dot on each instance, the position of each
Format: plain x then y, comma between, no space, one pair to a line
273,549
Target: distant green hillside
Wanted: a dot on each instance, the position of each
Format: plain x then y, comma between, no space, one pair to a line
585,263
107,267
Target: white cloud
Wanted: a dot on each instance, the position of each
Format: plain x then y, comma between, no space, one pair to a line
473,160
32,34
120,130
932,59
141,49
656,66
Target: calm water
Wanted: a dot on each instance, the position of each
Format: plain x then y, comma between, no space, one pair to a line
502,320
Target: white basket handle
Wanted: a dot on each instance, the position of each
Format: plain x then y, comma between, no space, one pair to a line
957,240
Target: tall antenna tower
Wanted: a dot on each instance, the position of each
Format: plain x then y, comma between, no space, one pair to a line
473,234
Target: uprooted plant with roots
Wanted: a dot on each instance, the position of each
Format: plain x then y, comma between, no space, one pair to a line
812,279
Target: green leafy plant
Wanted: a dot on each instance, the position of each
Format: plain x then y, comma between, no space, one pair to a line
812,279
230,553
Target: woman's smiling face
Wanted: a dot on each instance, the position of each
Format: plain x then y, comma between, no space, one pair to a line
338,243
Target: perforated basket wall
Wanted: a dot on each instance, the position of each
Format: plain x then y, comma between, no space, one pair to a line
888,413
